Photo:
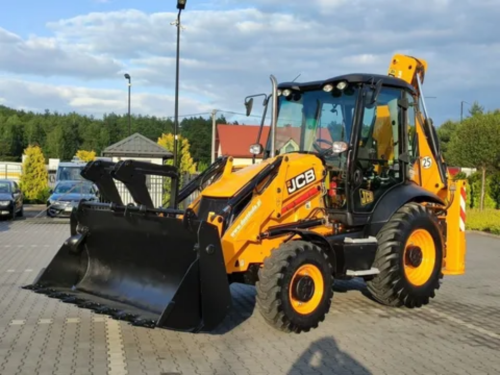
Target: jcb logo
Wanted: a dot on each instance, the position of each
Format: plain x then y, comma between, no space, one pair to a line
366,196
298,182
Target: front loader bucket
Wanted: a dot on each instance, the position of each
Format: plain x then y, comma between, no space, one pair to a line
135,265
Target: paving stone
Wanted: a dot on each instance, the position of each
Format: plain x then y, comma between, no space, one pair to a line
459,332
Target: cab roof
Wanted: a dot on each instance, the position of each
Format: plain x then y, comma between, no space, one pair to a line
351,78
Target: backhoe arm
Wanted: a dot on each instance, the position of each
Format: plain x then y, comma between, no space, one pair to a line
431,172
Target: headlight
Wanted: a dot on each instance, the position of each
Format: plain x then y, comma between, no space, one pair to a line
328,88
256,149
4,203
342,85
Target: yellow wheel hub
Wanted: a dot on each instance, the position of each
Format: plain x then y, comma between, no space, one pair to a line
306,289
419,257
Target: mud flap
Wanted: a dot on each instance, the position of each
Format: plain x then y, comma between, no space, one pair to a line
137,266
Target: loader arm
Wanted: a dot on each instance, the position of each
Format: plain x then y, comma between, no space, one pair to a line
212,172
99,172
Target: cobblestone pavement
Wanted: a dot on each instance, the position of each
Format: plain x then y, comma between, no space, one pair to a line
458,333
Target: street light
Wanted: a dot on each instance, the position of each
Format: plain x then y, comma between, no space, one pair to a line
181,4
127,76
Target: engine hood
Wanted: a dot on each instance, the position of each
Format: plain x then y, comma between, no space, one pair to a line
229,185
71,197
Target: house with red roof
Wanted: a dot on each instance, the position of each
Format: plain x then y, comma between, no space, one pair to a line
235,140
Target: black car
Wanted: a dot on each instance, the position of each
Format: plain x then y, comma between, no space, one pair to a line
11,199
67,195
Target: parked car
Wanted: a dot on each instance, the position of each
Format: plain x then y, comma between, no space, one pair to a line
70,171
11,199
67,195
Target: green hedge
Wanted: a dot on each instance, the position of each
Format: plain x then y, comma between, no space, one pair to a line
486,221
491,191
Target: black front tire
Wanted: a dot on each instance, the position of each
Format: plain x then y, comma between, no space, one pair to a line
392,286
276,279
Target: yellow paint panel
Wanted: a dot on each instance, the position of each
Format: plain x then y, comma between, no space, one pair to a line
299,176
404,67
232,181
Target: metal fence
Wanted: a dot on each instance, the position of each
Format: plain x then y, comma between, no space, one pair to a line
154,184
156,188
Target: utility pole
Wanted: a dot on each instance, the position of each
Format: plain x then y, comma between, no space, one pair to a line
127,76
214,132
462,109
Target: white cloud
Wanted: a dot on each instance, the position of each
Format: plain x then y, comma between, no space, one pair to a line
228,54
48,57
22,94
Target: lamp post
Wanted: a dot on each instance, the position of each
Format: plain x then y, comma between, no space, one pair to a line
181,4
127,76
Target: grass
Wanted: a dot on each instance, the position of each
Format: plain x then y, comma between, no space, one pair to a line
486,221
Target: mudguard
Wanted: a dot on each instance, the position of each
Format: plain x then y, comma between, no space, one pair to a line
393,201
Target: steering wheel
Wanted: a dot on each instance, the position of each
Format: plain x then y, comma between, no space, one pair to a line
322,150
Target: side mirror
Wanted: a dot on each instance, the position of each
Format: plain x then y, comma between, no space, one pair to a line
249,105
339,147
256,149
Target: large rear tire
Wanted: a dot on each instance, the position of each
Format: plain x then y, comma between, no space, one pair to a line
409,257
295,287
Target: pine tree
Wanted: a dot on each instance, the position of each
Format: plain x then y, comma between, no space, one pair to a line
34,178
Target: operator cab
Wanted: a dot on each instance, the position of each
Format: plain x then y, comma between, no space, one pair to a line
362,126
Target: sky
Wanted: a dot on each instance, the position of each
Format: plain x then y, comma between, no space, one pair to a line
72,55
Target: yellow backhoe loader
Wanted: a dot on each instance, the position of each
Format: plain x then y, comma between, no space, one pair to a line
351,183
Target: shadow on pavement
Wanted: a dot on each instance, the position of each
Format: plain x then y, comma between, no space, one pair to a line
356,284
324,357
243,306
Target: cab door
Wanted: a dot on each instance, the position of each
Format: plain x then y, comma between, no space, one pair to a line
376,166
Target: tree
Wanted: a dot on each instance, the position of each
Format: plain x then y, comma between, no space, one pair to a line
62,135
474,144
495,189
186,163
84,155
476,109
444,133
34,178
198,131
11,137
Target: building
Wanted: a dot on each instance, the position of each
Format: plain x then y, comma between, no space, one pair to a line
235,141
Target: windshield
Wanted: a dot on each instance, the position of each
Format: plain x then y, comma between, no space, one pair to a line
69,173
74,189
314,119
4,188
